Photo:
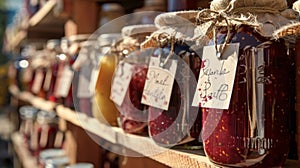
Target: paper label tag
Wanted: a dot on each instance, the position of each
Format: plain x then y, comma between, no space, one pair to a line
214,88
159,84
121,82
48,79
93,80
38,81
65,82
84,79
27,74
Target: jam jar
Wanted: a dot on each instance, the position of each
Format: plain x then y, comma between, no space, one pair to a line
83,68
133,114
107,111
28,116
253,131
181,123
45,132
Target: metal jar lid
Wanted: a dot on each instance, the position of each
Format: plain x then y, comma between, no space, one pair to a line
28,112
51,153
58,162
81,165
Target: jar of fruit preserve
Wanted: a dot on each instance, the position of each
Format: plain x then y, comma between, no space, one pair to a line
45,132
181,123
27,115
133,114
253,131
107,111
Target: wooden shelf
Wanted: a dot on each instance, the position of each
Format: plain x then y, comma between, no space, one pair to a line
115,135
25,157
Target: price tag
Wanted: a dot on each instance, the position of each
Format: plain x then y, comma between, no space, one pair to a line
38,81
65,82
121,82
48,79
214,88
159,83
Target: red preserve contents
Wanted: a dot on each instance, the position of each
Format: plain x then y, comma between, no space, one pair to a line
134,113
253,131
181,120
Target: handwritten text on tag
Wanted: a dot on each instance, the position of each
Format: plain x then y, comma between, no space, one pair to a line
216,78
159,84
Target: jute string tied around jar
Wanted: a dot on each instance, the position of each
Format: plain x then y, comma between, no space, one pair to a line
264,16
180,24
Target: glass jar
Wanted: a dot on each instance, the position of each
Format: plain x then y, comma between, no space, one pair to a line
106,107
45,132
133,114
181,123
27,115
253,131
105,110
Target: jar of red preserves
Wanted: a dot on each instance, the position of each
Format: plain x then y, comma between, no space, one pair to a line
181,123
253,131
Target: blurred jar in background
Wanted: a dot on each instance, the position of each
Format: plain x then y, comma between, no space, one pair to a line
106,111
27,116
45,132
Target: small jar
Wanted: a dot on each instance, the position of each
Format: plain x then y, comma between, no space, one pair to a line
28,116
181,123
133,114
46,129
107,112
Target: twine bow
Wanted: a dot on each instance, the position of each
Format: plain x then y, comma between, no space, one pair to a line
226,17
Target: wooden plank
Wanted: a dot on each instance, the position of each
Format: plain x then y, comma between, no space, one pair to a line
26,159
142,145
36,18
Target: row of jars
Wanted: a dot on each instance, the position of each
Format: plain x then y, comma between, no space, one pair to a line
44,140
253,131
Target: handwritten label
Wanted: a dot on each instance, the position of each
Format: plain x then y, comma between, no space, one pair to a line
159,84
38,81
216,78
121,82
65,82
48,79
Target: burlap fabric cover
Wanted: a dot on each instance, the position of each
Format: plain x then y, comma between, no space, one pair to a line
270,14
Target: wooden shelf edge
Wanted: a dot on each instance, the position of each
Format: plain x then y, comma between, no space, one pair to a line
37,17
142,145
25,157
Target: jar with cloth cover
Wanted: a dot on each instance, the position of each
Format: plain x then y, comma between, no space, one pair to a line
133,114
252,131
179,123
